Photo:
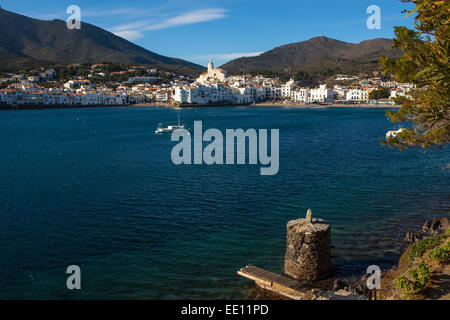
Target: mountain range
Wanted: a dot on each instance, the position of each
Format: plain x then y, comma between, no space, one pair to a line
25,40
317,54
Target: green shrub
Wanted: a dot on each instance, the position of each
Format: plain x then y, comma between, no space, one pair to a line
440,253
418,249
404,284
420,276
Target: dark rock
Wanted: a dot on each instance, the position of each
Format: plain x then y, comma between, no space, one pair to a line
338,284
361,290
365,277
436,226
361,287
413,237
417,236
409,237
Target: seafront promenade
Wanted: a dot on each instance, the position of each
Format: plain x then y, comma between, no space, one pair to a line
175,106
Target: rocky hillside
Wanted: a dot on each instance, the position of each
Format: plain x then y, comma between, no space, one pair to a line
423,271
318,54
25,41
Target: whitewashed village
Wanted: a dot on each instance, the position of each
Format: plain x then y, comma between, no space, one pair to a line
214,87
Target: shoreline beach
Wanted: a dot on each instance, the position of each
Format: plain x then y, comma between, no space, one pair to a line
167,105
304,105
274,104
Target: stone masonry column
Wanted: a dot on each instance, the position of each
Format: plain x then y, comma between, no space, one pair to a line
308,252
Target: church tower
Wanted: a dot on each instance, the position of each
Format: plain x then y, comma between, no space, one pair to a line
210,65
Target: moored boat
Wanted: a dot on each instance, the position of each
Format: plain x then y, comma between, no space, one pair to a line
169,128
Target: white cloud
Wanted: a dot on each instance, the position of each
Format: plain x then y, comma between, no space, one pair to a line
130,26
135,30
130,35
192,17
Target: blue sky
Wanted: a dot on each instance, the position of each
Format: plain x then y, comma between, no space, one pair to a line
223,29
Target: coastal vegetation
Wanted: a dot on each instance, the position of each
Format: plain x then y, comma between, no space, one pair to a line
440,253
420,276
425,62
423,257
418,249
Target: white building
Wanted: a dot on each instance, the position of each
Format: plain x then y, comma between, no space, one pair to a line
244,95
357,95
273,92
321,94
76,84
49,74
34,79
340,92
343,77
162,96
300,95
389,84
400,92
287,88
259,93
213,75
213,94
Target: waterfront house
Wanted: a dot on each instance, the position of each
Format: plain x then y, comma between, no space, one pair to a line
321,94
357,95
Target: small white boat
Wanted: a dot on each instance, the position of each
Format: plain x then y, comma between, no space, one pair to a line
169,128
393,134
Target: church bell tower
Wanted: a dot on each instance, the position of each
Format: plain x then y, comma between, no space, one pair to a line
210,65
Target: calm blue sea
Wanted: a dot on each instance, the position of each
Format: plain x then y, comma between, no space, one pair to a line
97,188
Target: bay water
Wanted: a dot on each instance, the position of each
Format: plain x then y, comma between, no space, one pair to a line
96,187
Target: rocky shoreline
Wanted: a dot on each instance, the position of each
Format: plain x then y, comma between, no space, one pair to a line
334,288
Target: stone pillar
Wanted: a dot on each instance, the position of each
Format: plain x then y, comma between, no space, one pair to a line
308,252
